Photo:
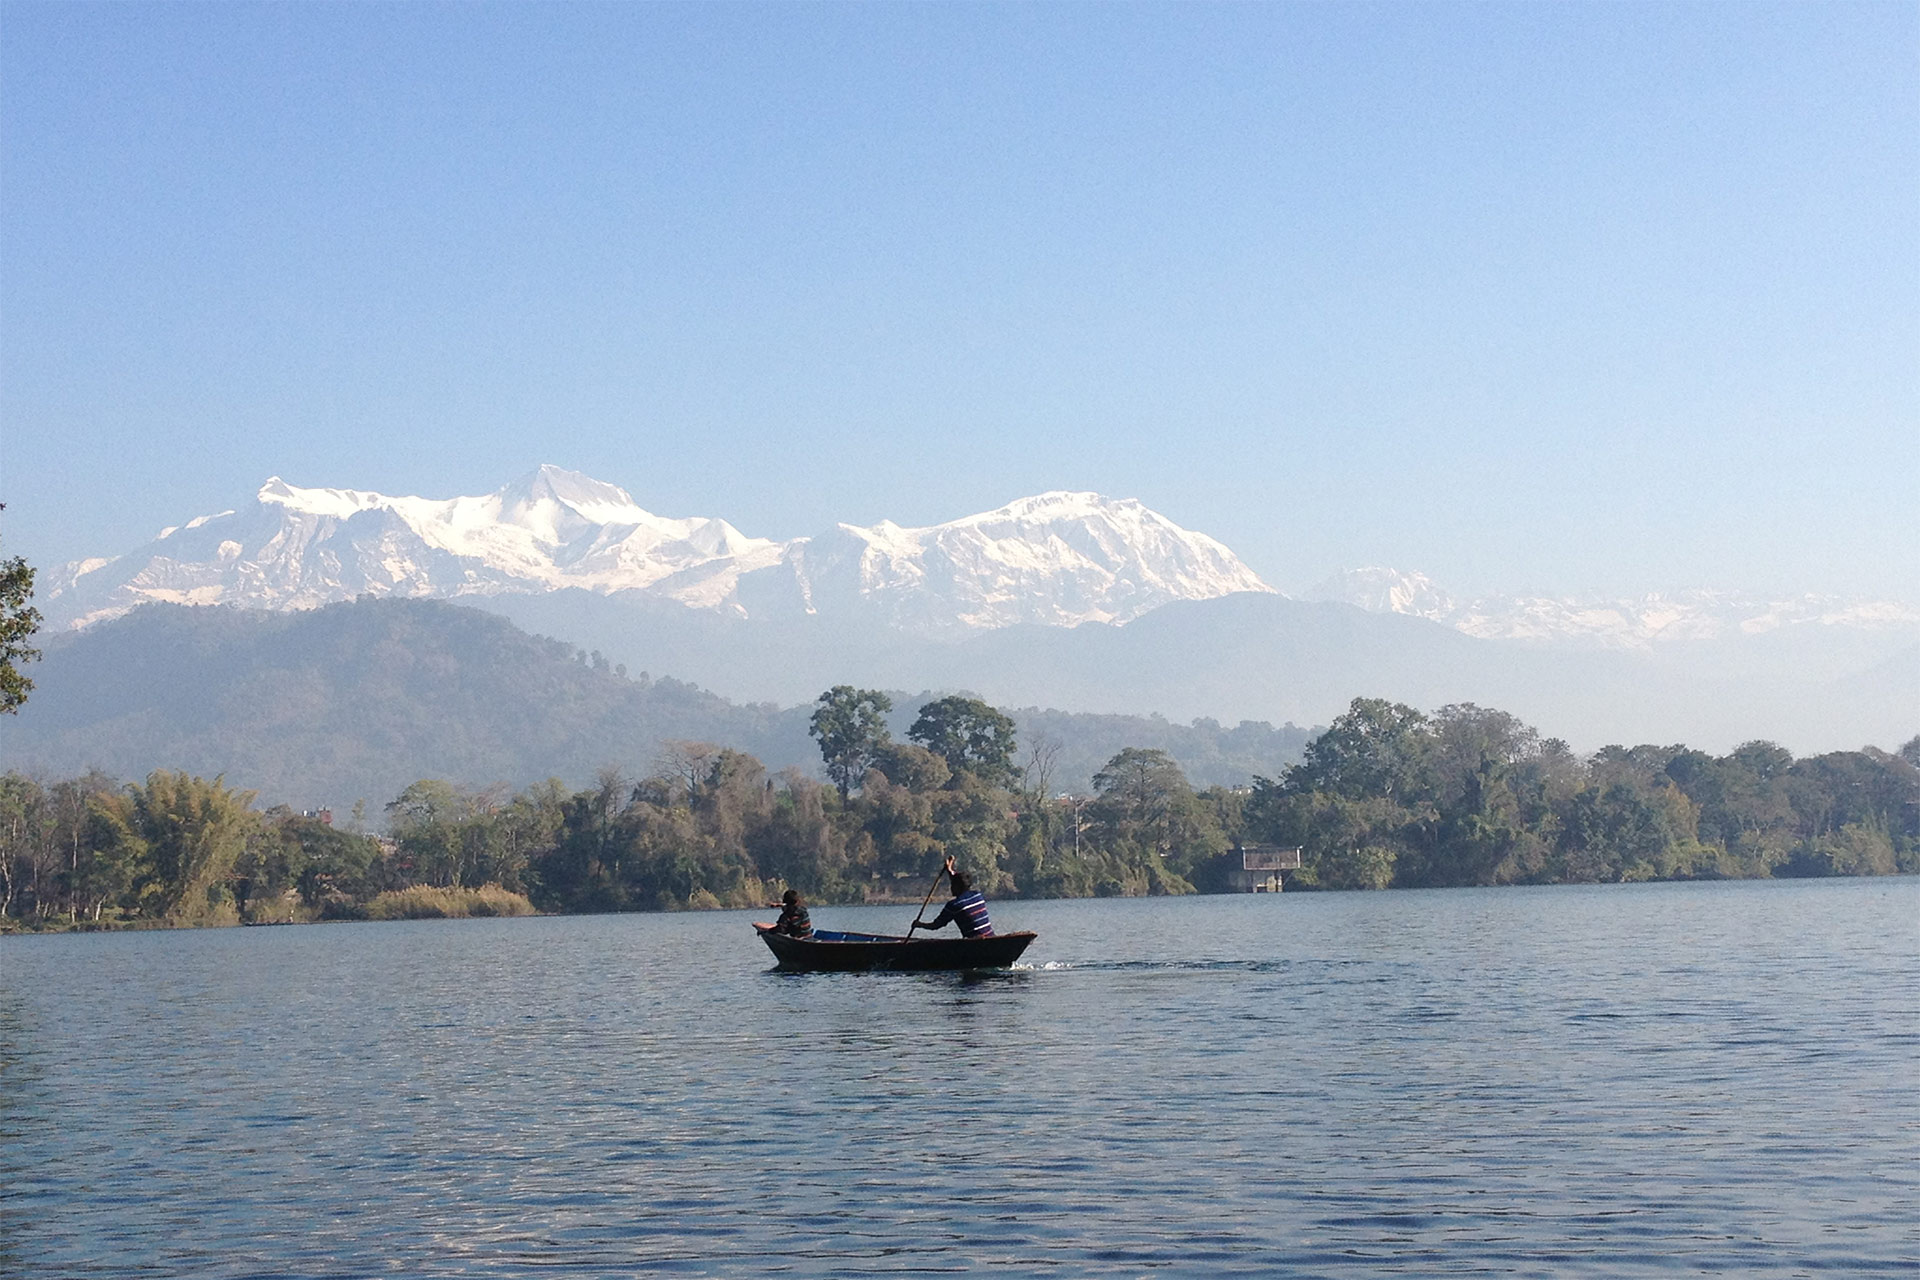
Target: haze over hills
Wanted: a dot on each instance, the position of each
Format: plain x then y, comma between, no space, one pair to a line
330,705
1262,656
357,700
1646,623
1065,600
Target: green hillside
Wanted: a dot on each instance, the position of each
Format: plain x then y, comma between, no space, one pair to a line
353,701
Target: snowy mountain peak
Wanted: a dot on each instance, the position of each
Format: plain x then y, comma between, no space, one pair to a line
1381,590
336,503
1057,559
591,499
1062,504
1647,622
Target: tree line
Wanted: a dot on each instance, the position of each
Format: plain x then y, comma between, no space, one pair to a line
1389,796
1385,796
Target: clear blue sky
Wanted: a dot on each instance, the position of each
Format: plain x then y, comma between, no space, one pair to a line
1571,297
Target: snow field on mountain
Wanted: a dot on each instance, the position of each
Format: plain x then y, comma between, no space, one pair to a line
1056,559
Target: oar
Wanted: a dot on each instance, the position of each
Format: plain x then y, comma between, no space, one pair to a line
917,922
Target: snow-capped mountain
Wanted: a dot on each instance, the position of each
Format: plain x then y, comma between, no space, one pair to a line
1057,559
1379,590
1643,623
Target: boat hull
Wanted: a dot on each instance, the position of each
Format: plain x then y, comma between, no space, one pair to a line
830,951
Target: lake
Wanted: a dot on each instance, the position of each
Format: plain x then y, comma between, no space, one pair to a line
1617,1081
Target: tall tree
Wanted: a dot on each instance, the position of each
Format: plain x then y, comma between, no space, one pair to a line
851,727
23,809
1139,789
18,622
1149,817
425,820
1043,757
187,834
1373,750
684,767
970,736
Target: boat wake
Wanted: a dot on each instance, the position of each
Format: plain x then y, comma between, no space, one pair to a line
1293,967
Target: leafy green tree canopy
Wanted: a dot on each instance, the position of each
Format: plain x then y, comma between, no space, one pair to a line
1141,788
970,736
18,622
915,768
192,831
851,727
1374,749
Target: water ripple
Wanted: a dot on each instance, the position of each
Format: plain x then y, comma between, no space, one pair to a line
1627,1082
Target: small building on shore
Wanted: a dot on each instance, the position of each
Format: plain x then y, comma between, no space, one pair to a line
1263,867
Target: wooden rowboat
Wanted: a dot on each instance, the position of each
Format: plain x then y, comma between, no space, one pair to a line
841,952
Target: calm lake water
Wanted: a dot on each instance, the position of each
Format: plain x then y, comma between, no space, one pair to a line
1647,1080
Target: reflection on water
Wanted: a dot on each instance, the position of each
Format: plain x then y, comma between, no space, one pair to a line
1636,1080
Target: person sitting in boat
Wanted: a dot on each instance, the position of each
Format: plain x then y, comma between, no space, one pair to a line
967,908
793,921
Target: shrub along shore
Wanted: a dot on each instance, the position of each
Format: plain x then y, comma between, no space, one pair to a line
1387,796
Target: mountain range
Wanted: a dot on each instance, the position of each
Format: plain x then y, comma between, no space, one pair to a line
1066,600
1058,559
1055,559
1646,623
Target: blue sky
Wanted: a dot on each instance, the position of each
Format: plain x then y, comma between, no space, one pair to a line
1567,297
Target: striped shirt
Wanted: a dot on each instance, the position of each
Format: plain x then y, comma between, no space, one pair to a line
969,911
794,922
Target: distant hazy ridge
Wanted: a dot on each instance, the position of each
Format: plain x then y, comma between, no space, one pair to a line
355,701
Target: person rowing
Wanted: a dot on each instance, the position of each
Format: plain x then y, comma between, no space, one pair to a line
967,908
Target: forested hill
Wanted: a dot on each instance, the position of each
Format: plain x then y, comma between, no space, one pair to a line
355,701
